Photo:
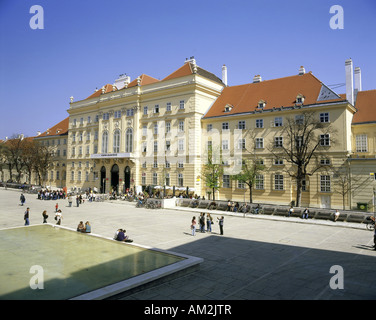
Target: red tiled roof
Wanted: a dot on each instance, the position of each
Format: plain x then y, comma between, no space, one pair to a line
184,70
366,107
97,93
276,93
57,130
145,79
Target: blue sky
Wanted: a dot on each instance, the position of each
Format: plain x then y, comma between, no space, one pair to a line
86,44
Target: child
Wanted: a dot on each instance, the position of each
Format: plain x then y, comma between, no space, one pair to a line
56,207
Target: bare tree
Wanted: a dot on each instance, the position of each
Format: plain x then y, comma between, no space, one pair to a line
303,139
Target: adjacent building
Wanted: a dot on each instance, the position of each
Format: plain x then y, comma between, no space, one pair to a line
151,132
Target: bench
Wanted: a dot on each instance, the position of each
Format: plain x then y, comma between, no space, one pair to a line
280,212
325,215
268,210
354,218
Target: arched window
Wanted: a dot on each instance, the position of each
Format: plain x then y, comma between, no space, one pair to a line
116,148
129,140
105,142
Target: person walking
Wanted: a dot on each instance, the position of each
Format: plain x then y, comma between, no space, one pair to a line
27,216
77,201
336,215
220,221
45,216
291,211
22,199
202,222
193,226
70,200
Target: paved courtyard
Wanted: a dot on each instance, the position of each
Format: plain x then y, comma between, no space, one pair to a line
256,258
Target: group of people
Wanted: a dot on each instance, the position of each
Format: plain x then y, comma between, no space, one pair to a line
84,228
209,223
58,216
51,194
120,236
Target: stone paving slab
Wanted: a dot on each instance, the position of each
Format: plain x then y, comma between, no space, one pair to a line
256,258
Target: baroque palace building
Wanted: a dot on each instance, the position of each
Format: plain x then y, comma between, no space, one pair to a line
150,132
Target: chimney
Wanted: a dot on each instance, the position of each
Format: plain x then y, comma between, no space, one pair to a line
257,78
301,71
357,81
122,81
224,75
349,81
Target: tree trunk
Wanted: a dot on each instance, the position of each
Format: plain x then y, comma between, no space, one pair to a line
250,194
298,192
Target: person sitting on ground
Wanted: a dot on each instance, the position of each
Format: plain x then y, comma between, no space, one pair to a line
122,237
87,227
81,227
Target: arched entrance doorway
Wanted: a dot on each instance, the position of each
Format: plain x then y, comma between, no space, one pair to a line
127,178
103,180
115,178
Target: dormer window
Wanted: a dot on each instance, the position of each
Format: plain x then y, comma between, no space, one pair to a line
261,104
299,99
228,108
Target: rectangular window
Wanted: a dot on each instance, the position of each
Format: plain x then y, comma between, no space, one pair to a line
225,126
181,126
259,185
241,185
325,183
224,144
155,178
168,127
278,162
278,182
259,123
241,124
181,144
299,119
181,105
325,162
324,117
226,181
129,112
155,146
361,143
168,106
259,143
180,164
145,110
325,140
278,142
143,179
155,164
117,114
155,128
106,116
241,144
156,108
180,180
144,130
209,127
278,122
